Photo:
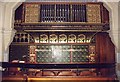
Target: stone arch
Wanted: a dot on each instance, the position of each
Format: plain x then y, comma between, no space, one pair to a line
119,27
9,31
8,27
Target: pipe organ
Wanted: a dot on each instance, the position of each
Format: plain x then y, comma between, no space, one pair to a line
65,40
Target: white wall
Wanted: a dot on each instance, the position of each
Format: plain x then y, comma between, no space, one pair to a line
119,26
6,30
118,54
1,30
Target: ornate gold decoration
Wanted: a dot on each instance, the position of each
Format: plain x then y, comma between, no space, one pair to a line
53,38
81,38
92,49
32,58
92,53
32,13
93,13
62,38
32,49
43,38
32,55
71,38
36,39
92,57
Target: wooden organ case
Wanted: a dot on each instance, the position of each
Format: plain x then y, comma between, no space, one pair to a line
68,40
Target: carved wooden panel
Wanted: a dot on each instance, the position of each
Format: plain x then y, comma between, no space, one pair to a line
93,13
32,13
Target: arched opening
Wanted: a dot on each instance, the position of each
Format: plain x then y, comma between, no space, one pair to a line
17,4
13,6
